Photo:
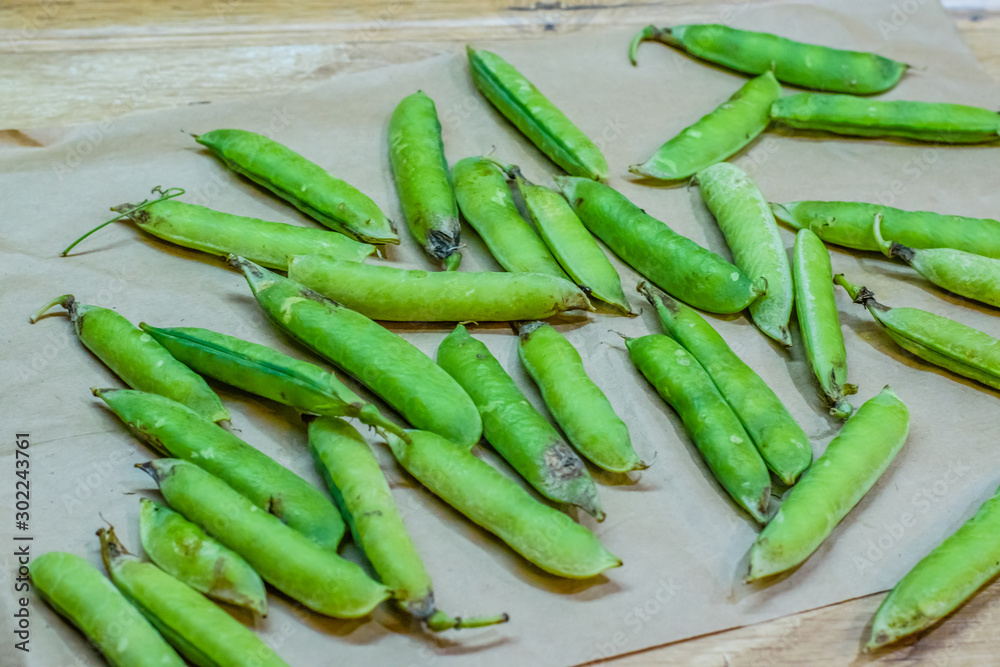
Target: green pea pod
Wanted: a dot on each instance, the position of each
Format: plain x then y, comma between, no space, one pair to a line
943,342
284,558
849,224
266,372
203,632
716,136
819,321
972,276
571,244
487,204
781,442
416,154
534,115
521,435
748,225
304,184
183,550
797,63
716,430
579,406
407,295
384,362
919,121
675,263
829,490
542,535
346,462
173,430
138,359
218,233
944,579
75,589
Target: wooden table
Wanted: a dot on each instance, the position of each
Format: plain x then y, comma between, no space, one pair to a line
70,61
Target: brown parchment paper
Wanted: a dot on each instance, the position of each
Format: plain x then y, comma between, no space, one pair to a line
683,542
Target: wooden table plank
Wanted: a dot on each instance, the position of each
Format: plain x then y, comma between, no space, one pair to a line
71,61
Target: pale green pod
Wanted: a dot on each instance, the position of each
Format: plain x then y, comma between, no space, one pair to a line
675,263
829,490
819,321
531,112
578,405
416,155
137,359
88,600
716,136
183,550
939,340
571,244
781,442
302,183
748,224
515,429
487,204
797,63
716,430
943,579
283,557
266,372
849,224
859,117
173,430
202,631
972,276
218,233
410,295
544,536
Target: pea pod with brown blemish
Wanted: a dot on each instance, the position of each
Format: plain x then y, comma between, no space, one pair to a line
797,63
829,490
137,358
675,263
87,599
578,405
173,430
185,551
406,378
534,115
487,204
361,491
943,579
542,535
781,442
266,372
203,632
416,155
939,340
716,430
284,558
716,136
302,183
410,295
849,224
519,433
972,276
571,244
919,121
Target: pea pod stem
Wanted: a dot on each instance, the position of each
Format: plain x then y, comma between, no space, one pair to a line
650,33
169,193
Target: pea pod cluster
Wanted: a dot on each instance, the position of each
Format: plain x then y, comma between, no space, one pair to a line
797,63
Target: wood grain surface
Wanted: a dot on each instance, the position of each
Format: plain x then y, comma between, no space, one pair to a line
70,61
